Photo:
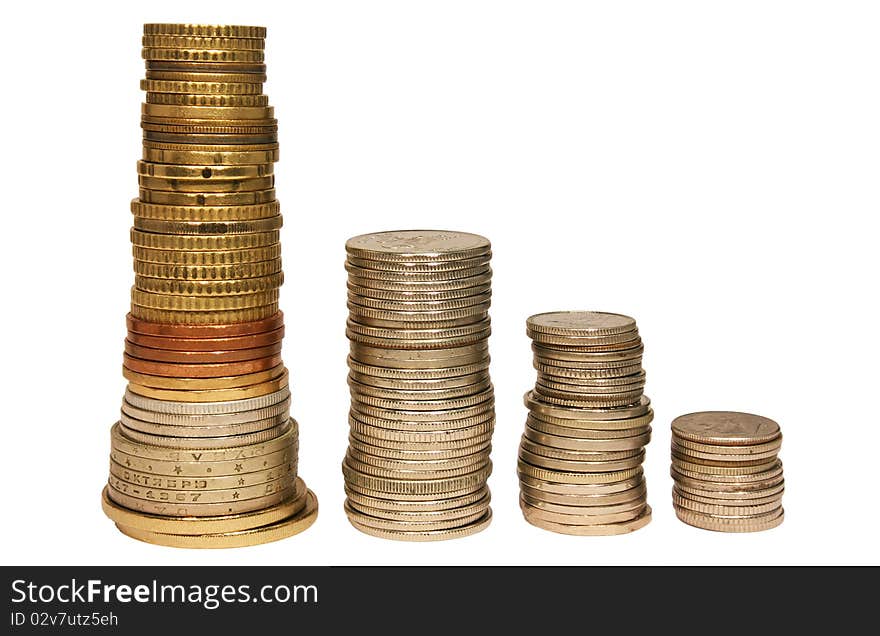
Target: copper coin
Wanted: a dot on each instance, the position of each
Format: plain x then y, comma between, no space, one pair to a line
252,341
204,331
170,370
199,357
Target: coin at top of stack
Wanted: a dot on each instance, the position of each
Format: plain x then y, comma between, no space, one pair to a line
422,403
205,452
727,474
580,458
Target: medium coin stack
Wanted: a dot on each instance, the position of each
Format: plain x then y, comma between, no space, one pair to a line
422,403
580,458
727,474
205,452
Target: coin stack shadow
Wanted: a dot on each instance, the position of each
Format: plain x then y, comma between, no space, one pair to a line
580,458
205,452
422,403
727,474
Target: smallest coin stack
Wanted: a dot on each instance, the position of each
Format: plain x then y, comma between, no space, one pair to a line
727,475
580,458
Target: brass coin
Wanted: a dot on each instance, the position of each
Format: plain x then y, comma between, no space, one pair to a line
725,428
206,258
207,174
194,468
178,509
200,86
412,474
737,472
204,186
555,463
620,355
427,535
424,395
580,323
203,318
734,498
419,281
212,395
379,449
625,484
204,525
439,384
276,531
581,444
219,430
460,514
421,487
184,497
435,373
205,30
725,509
592,530
210,199
586,414
635,492
755,523
561,374
603,510
739,450
578,516
487,406
211,443
589,433
207,272
417,246
394,525
564,477
198,484
418,507
229,242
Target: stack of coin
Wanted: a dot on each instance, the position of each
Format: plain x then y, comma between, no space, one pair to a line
205,452
422,403
727,474
580,458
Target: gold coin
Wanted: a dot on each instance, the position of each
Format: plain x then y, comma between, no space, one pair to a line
228,113
686,446
394,525
601,499
600,400
429,384
584,490
458,513
229,157
429,454
209,258
725,428
415,507
580,324
189,99
207,272
586,444
203,186
193,468
418,374
417,246
205,30
724,459
197,384
417,473
240,56
197,77
190,126
440,444
202,303
201,87
729,486
122,442
199,484
419,281
424,395
220,430
593,530
212,395
276,531
620,355
755,523
564,477
205,214
210,199
427,535
231,242
561,374
606,513
204,525
580,466
209,288
202,443
201,497
737,472
420,487
735,497
725,509
588,433
586,414
200,42
207,174
203,317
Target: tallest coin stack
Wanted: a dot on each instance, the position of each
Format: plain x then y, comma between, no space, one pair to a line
205,452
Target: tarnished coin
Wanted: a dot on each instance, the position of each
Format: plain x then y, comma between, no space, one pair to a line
725,428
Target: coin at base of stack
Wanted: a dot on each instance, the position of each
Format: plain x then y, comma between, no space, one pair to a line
580,458
205,451
422,403
728,476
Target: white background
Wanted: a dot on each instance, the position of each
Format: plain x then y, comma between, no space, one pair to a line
710,168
